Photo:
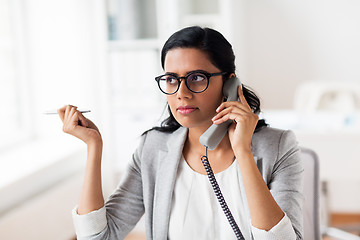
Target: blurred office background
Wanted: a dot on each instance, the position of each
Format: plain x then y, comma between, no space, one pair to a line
301,57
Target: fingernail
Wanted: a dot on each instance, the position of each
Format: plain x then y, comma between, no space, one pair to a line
217,109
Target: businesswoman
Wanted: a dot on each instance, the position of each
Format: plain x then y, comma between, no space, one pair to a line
257,167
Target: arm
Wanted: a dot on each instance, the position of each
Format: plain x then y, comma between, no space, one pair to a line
283,175
124,208
264,211
91,197
267,203
76,124
284,182
287,181
121,212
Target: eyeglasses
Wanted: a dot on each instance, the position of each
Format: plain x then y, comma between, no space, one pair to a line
196,81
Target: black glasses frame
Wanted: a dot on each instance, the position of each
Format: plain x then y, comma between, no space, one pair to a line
207,75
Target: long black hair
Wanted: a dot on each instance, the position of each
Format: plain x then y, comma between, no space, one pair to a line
221,55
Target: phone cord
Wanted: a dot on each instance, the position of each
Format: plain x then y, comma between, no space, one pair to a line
220,197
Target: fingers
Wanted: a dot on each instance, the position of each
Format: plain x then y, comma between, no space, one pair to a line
71,118
232,116
242,97
234,110
233,104
69,112
61,112
74,123
228,110
83,120
64,111
238,115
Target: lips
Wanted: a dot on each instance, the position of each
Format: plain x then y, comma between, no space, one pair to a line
186,109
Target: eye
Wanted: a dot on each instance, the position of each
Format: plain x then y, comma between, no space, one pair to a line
168,79
197,77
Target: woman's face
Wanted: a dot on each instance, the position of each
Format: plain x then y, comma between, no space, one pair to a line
193,109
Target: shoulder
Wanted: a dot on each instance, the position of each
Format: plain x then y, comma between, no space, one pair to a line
155,145
160,140
273,142
273,137
277,152
269,133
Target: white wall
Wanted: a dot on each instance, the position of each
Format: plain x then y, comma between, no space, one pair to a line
280,43
64,41
66,49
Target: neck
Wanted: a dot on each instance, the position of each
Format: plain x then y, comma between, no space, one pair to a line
193,143
220,158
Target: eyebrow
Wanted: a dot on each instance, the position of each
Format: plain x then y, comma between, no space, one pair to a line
193,71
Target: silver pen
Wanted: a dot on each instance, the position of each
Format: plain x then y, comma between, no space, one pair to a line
55,111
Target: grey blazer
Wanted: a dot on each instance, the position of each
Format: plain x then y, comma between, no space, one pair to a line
149,182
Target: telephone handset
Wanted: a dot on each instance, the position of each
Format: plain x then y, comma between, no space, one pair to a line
215,133
210,139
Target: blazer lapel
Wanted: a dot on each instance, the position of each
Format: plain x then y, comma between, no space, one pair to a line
165,181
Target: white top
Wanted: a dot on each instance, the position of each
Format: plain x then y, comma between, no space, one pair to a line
197,214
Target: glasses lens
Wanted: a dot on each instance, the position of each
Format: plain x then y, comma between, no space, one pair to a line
197,82
168,83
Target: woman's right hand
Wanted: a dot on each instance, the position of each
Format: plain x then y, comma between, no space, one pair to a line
79,126
91,197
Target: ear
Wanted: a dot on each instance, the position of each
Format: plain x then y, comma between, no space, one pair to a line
232,75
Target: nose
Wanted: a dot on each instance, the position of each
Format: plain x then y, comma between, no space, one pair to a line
183,91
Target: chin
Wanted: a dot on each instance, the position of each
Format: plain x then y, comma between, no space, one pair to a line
194,124
192,121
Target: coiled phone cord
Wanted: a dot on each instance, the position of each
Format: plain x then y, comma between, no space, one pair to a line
220,197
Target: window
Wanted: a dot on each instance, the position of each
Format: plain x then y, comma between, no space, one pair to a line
13,90
52,53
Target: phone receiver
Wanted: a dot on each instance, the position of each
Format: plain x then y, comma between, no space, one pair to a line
215,133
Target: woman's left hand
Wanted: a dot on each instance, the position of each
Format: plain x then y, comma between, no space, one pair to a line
241,131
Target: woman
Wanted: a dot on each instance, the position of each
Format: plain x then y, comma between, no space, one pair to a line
258,168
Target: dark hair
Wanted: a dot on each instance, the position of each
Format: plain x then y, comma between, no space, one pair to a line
221,55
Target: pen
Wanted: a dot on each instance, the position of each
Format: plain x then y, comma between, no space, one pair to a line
55,111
